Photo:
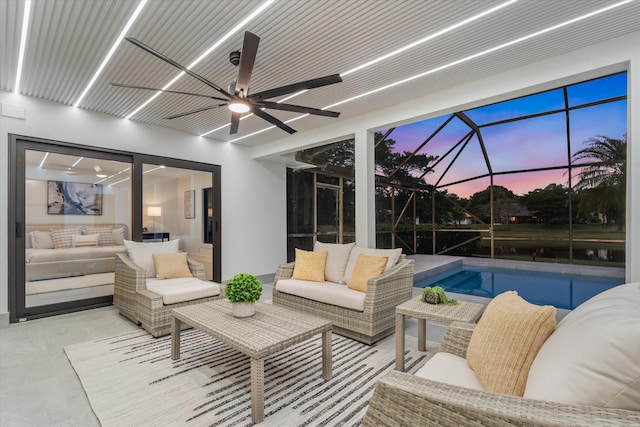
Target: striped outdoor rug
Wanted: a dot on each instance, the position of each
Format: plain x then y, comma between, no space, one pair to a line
130,380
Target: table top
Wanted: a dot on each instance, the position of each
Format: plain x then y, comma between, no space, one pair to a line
461,312
271,329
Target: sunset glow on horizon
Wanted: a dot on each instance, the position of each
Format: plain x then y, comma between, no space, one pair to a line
530,143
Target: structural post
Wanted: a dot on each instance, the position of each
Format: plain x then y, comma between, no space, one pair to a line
365,189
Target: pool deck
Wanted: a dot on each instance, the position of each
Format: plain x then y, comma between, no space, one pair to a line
430,265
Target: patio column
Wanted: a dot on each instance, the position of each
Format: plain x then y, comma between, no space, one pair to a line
365,189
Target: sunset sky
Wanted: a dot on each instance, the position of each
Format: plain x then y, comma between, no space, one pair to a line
527,144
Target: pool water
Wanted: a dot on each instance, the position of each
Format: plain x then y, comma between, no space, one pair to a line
561,290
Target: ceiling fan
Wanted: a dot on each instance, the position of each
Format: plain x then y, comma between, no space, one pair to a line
237,98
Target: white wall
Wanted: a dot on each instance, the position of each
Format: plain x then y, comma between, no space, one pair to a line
253,192
612,56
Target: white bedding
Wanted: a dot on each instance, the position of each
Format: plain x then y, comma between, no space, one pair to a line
33,256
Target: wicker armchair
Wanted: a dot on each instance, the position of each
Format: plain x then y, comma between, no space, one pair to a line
377,320
402,399
142,306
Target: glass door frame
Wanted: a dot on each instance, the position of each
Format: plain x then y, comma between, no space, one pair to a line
18,145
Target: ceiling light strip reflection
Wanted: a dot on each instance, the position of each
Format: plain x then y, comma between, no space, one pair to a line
460,61
23,43
231,32
44,159
106,59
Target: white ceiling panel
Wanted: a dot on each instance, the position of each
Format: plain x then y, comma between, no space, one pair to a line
300,40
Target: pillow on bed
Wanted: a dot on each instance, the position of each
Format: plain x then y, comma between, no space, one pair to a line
80,240
118,236
62,237
142,253
41,240
105,235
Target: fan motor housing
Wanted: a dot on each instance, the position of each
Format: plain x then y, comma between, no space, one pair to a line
234,57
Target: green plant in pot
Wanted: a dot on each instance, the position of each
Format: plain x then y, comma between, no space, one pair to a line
436,295
243,291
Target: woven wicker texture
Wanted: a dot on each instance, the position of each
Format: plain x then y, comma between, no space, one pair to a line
142,306
377,320
270,330
401,399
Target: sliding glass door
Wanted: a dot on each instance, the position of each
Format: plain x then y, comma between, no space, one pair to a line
71,207
172,208
73,212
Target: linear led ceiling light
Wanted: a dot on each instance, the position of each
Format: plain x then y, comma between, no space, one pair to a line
402,49
106,59
460,61
231,32
23,43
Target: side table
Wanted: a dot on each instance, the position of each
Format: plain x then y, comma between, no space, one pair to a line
462,312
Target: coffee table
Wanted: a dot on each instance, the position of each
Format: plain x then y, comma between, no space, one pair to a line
461,312
270,330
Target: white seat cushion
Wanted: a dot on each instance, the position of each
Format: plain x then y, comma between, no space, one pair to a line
327,292
593,357
182,289
450,369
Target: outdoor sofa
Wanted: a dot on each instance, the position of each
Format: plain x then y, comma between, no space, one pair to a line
364,316
587,373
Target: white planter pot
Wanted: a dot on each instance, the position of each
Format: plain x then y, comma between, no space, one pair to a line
243,309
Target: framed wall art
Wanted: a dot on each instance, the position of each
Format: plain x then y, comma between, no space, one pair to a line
74,198
190,204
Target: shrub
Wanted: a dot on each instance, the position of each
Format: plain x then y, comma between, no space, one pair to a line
244,287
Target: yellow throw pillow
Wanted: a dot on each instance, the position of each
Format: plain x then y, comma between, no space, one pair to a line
367,267
309,265
171,266
506,340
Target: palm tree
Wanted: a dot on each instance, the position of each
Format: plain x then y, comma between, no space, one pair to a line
602,177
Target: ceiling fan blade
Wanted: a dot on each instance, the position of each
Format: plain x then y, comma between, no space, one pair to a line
247,59
178,66
197,110
167,91
235,122
268,117
297,87
298,109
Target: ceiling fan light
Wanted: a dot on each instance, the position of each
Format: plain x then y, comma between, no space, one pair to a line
239,107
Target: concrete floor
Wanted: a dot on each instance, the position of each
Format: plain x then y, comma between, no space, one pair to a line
38,386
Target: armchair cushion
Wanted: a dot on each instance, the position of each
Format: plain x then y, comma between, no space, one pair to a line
594,353
337,258
367,267
450,369
506,340
182,289
141,253
171,266
310,265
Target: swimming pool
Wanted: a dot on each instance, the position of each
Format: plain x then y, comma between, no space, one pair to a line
561,290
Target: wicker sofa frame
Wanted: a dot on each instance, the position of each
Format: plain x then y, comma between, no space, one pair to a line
402,399
145,308
377,320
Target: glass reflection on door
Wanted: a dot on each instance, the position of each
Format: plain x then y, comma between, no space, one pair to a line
77,215
172,208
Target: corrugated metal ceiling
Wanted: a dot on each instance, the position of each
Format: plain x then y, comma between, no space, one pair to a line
68,39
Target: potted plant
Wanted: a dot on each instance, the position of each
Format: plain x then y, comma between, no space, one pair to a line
436,295
243,291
